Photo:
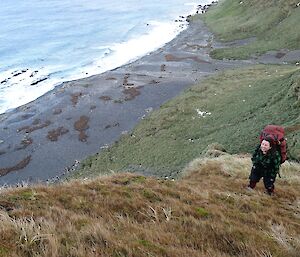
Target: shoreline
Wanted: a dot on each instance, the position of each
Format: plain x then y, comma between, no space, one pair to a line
44,139
116,54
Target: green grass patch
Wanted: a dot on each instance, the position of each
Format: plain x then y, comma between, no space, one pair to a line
230,109
139,179
151,246
151,196
27,195
145,243
274,24
81,223
202,212
3,251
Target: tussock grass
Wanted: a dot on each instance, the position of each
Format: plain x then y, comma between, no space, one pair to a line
238,104
208,212
274,24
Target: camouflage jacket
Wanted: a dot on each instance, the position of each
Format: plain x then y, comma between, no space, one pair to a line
268,163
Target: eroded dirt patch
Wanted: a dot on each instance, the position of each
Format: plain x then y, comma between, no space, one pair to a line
81,125
21,165
293,128
55,133
198,47
173,58
280,55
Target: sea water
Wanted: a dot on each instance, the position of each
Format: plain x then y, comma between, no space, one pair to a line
46,42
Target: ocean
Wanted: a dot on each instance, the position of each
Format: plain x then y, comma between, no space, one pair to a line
46,42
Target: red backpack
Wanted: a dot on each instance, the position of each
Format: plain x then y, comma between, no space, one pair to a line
276,135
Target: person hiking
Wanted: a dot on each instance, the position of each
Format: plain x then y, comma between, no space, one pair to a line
266,161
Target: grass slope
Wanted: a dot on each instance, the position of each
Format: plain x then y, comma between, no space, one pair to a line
275,24
241,103
206,213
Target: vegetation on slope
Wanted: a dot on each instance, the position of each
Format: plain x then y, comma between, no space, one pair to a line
206,213
230,109
274,24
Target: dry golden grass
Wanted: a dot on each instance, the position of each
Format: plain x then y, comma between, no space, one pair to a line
208,212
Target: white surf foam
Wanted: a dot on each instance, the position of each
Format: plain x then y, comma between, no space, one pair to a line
122,53
21,85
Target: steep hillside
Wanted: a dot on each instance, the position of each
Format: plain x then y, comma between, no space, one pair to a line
229,109
273,24
203,139
208,212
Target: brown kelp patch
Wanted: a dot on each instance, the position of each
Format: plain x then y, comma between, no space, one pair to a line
26,116
55,133
36,122
24,143
75,97
35,126
57,111
153,82
105,98
125,80
131,92
81,125
116,124
21,165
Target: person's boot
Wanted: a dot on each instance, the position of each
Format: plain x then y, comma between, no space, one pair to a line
270,190
252,184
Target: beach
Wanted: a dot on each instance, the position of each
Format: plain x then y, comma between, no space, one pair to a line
44,140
